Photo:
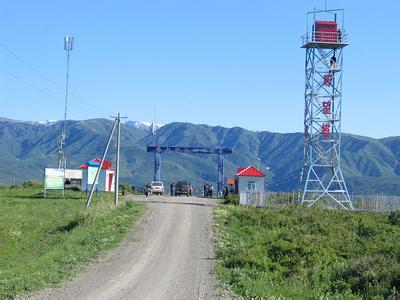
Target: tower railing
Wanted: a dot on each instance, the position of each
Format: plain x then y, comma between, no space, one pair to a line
323,37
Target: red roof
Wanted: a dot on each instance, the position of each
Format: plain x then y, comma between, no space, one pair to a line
239,170
249,171
106,164
230,181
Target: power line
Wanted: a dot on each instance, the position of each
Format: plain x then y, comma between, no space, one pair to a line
29,84
39,90
31,67
284,179
54,83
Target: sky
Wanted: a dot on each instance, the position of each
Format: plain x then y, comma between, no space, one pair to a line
217,62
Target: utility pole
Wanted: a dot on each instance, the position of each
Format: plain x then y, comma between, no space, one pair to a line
62,160
116,125
89,199
116,181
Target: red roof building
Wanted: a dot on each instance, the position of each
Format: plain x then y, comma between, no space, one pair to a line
105,180
95,163
250,172
249,179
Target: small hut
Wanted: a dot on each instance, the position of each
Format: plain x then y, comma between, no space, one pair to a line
250,179
105,182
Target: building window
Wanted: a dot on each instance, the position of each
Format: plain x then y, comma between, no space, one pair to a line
251,185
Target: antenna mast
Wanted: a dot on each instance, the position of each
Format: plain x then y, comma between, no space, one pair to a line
62,160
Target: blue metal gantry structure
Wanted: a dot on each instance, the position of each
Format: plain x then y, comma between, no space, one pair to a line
157,150
322,175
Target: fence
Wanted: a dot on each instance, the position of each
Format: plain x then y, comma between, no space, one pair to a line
360,202
376,202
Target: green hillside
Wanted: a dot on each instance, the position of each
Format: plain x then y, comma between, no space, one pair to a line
369,165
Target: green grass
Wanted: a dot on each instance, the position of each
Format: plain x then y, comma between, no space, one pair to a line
44,241
301,253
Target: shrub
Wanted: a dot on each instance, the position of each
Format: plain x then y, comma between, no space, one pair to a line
32,184
394,217
232,199
125,187
74,188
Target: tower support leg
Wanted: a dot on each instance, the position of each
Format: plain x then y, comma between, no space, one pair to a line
157,166
220,174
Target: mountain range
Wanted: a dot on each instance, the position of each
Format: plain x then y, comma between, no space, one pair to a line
370,165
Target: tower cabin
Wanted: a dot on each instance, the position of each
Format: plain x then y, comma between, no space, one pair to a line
325,34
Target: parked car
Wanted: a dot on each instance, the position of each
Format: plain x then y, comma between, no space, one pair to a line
157,188
183,188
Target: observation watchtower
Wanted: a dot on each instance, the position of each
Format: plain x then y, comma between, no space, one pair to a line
324,43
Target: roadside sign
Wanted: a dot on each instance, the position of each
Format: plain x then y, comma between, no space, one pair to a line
92,175
53,179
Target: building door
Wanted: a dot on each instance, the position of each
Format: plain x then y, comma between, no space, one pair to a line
110,181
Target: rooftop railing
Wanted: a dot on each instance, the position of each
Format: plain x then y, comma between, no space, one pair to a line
324,37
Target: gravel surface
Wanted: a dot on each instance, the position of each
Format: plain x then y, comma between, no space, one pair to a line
168,256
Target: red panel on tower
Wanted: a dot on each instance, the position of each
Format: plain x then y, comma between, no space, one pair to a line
326,31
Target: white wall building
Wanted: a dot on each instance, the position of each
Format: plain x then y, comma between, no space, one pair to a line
73,177
250,180
105,182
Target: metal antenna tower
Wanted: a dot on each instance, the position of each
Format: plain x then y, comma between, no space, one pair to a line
62,160
322,175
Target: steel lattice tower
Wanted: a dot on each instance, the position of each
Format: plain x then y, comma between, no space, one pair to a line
62,160
322,175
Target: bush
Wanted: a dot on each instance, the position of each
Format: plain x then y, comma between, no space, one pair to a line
232,199
394,217
125,187
32,184
74,188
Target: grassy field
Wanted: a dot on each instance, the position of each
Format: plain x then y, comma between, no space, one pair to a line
301,253
43,241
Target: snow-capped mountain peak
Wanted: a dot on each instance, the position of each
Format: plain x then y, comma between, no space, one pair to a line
143,125
46,122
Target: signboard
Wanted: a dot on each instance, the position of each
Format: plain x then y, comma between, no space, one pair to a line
53,179
92,175
197,150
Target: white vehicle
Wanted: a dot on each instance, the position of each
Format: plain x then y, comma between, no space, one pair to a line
157,187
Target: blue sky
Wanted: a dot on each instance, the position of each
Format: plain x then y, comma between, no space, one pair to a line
218,62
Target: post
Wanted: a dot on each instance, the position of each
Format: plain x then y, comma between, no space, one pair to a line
157,165
101,164
116,182
220,173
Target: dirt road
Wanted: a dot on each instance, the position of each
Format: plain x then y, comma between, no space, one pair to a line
168,256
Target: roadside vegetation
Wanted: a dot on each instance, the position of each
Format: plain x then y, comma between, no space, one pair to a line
44,241
307,253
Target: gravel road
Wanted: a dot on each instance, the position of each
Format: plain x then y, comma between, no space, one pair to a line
168,256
